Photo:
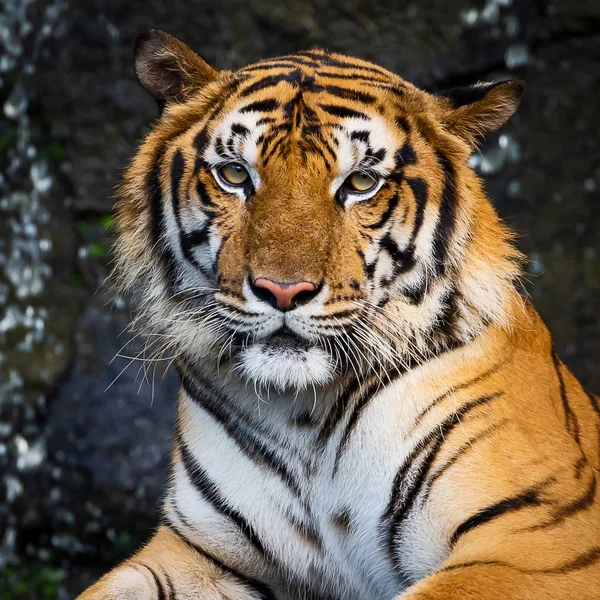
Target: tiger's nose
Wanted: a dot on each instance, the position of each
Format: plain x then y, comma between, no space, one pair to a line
284,296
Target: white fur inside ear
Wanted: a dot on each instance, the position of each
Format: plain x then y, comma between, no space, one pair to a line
285,368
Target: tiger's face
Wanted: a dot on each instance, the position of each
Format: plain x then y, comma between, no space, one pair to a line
309,215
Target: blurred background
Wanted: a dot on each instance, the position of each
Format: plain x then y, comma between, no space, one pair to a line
84,439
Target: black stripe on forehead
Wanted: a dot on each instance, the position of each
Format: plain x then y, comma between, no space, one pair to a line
239,129
269,81
363,136
267,105
345,93
327,60
343,111
285,61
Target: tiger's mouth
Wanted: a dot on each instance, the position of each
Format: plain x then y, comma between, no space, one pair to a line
285,340
285,360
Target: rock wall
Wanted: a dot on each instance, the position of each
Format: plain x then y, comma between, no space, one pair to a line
84,431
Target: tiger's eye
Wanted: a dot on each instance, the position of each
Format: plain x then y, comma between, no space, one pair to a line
361,182
234,174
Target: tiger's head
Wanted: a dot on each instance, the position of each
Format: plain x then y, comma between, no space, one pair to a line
311,215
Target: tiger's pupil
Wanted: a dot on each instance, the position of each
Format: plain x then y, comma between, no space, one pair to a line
234,174
362,182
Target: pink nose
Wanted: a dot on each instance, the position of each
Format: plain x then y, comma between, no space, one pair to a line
284,296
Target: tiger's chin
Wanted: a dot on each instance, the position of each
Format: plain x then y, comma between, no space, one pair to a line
286,364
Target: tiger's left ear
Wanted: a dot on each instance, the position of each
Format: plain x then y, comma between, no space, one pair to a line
473,112
167,68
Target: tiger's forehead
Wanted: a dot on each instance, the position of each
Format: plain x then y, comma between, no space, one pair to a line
311,105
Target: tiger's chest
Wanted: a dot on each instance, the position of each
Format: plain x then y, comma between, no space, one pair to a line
312,509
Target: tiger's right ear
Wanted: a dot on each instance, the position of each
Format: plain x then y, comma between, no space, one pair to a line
167,68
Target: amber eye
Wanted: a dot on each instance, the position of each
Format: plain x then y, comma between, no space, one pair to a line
361,182
234,174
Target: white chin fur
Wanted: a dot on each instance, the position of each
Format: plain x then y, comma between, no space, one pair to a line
286,369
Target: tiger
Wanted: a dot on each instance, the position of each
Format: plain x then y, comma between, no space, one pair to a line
370,405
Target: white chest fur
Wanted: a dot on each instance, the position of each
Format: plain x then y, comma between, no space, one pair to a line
283,502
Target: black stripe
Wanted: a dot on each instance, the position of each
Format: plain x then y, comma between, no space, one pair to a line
274,133
402,123
325,145
204,197
391,207
172,594
464,449
462,386
405,156
571,422
420,190
157,210
581,503
389,245
277,147
353,77
360,405
159,586
210,492
262,591
583,560
343,111
471,564
255,448
341,314
309,534
195,238
369,269
445,225
280,63
260,106
395,90
271,81
402,497
159,245
445,321
177,170
264,121
345,93
295,60
526,499
374,156
239,129
404,260
201,141
596,406
337,412
362,136
341,64
593,401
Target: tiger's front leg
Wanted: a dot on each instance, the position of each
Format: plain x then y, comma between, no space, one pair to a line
577,580
167,568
